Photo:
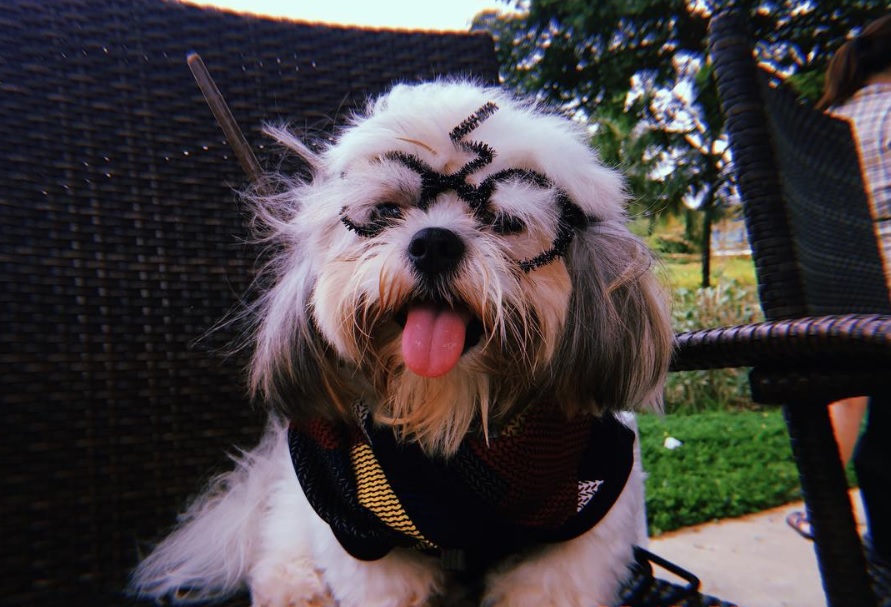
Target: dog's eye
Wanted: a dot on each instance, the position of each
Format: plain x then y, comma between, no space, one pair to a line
385,212
507,224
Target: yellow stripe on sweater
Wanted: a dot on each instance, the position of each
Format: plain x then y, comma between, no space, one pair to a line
375,493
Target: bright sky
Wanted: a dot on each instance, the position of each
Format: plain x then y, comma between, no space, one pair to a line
410,14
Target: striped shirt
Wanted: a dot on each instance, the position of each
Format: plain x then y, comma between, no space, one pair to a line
869,110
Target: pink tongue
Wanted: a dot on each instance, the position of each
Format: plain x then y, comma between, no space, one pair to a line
433,339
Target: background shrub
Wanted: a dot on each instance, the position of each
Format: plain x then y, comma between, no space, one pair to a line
732,300
729,302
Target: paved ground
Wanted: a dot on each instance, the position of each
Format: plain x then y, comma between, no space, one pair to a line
754,561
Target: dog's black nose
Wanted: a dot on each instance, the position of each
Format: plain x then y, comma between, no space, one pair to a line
435,251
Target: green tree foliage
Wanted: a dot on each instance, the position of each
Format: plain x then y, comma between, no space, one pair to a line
638,71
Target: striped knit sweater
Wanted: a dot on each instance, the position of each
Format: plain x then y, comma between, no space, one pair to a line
542,479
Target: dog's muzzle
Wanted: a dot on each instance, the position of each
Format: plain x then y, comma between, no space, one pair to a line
434,333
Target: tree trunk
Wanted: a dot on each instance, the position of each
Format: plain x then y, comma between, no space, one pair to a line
691,231
708,211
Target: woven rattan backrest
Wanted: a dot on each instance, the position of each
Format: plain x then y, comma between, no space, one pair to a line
121,244
806,210
832,229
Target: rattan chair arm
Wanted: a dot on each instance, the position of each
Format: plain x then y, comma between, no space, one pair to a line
853,339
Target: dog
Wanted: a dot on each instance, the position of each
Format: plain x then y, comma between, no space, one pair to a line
453,329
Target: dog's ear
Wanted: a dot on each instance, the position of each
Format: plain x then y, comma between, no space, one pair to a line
617,341
293,369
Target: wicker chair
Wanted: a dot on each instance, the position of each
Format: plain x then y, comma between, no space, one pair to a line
821,285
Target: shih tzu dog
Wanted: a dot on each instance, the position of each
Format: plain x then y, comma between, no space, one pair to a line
454,322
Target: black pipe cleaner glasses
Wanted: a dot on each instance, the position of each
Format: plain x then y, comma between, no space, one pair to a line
478,198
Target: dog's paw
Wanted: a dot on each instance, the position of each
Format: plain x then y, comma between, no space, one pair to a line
292,584
517,593
525,595
397,580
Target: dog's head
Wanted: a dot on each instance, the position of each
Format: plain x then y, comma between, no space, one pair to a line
457,254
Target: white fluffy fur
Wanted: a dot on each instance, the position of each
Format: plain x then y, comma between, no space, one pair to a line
589,328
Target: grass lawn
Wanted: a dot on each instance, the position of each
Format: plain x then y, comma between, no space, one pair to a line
685,272
731,463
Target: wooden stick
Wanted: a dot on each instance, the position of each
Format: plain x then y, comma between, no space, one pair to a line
231,130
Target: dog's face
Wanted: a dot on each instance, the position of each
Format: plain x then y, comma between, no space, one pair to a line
457,254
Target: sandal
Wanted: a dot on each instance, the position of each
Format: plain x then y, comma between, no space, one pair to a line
798,521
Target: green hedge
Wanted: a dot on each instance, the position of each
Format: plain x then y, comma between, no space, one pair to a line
731,463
